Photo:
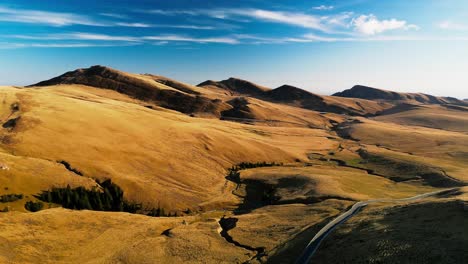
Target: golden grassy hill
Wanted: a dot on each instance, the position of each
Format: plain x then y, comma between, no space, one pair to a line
434,147
169,144
380,234
432,116
104,134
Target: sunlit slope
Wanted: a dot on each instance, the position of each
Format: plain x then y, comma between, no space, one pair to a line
155,155
65,236
435,147
450,118
259,112
180,97
320,182
430,231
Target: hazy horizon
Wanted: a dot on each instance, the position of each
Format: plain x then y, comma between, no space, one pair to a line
321,46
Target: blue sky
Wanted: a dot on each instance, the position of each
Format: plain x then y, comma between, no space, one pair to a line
322,46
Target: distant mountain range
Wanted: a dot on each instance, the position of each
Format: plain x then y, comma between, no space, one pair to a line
222,98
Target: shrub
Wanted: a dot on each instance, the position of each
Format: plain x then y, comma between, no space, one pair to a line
33,206
6,198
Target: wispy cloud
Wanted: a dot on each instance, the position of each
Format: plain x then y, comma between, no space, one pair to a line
364,24
136,25
323,7
188,27
76,36
181,38
45,17
450,25
57,19
371,25
146,25
297,19
7,45
291,18
114,15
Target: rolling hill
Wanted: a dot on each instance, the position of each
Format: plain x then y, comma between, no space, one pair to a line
224,172
365,92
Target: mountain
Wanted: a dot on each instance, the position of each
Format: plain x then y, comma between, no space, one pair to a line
365,92
161,91
294,96
236,86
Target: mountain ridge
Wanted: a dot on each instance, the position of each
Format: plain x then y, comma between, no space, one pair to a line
371,93
143,87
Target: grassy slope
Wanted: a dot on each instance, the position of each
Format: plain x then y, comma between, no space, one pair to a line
431,116
163,156
64,236
154,155
435,147
432,231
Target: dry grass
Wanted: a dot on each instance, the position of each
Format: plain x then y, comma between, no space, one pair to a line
64,236
156,156
433,231
159,156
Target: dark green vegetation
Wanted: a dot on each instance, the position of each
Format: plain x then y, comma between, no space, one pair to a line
107,198
6,198
33,206
233,172
69,167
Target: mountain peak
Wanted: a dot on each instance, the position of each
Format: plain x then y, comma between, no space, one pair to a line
290,93
156,89
237,86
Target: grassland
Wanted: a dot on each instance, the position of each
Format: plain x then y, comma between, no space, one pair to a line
78,135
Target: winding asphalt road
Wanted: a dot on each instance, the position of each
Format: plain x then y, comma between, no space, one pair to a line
325,231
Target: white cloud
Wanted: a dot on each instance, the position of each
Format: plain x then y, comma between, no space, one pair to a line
339,20
114,15
102,37
145,25
324,7
364,24
44,17
137,25
180,38
60,45
186,27
371,25
76,36
450,25
297,19
236,14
